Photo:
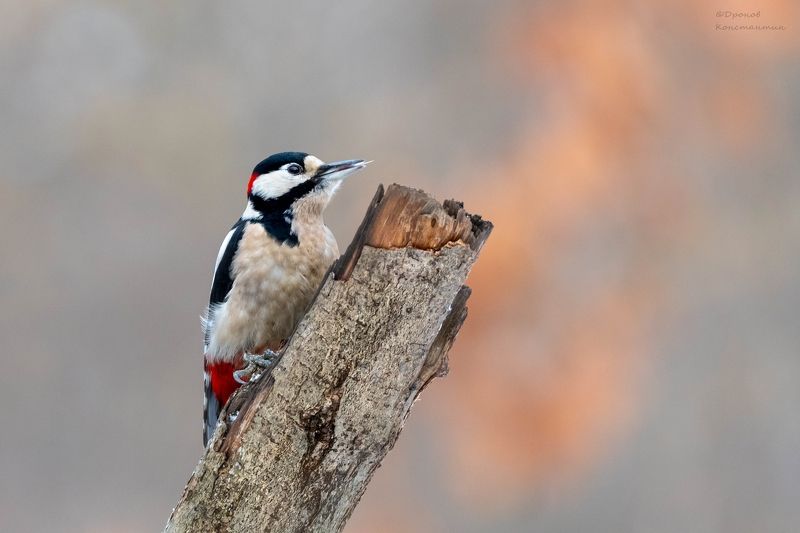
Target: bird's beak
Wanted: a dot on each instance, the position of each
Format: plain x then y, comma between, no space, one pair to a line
340,169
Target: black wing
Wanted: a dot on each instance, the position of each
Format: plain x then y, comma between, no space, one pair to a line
223,277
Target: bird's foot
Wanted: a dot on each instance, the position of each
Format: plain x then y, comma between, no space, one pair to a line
256,364
261,360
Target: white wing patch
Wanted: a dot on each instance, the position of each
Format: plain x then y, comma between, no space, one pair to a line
222,248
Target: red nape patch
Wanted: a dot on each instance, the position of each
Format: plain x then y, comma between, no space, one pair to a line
253,177
222,382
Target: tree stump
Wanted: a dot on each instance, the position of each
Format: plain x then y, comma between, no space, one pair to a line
296,448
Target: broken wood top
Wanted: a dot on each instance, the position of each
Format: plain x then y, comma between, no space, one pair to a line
405,217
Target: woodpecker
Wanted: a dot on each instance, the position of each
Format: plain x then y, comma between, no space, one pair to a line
267,270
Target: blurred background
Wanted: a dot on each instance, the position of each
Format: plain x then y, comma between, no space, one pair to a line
631,358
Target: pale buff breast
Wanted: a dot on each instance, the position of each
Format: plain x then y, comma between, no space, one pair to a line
273,286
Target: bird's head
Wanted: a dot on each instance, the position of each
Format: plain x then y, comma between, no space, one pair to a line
292,180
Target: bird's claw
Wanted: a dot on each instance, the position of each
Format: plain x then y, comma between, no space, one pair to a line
261,360
242,376
256,363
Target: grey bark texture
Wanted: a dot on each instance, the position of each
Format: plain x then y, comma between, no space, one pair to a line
295,449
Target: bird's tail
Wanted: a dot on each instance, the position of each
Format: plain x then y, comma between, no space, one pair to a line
211,405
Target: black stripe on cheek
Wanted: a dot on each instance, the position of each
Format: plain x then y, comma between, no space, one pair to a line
276,213
282,203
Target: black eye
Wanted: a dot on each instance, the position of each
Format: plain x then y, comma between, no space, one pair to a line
294,168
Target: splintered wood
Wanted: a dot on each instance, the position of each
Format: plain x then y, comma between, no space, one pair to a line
295,450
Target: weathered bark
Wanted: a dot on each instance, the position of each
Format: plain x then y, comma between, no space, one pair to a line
296,448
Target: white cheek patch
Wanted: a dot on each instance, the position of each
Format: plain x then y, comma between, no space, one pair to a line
276,184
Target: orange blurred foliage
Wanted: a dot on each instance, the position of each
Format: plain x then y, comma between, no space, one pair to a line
547,368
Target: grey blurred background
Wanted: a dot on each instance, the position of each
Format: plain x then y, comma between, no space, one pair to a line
631,359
